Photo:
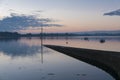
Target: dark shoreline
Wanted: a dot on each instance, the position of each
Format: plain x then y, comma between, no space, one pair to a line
18,35
105,60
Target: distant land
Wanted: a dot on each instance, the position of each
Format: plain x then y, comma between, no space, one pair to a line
99,33
87,33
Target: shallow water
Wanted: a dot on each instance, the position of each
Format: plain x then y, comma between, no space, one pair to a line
23,59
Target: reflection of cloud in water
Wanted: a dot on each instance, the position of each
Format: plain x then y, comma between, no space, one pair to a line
15,49
31,42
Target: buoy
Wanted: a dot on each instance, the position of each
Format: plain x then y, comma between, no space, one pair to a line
102,41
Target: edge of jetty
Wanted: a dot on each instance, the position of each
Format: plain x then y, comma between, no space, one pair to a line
105,60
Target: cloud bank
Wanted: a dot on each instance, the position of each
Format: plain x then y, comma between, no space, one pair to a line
23,22
113,13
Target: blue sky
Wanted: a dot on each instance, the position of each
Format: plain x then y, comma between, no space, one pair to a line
75,15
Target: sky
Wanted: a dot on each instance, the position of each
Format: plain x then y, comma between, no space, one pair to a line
59,15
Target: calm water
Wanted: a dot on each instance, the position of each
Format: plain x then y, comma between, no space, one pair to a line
111,43
22,60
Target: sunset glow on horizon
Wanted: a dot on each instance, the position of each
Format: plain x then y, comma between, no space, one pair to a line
73,15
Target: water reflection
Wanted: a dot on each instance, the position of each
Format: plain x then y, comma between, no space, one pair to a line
9,39
111,43
14,48
27,63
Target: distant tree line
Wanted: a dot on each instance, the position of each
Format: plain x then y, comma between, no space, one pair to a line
16,34
9,35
